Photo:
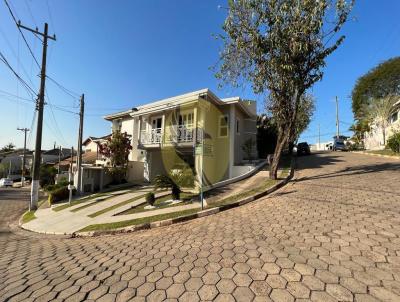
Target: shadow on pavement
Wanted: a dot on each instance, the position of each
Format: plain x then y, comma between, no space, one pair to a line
320,160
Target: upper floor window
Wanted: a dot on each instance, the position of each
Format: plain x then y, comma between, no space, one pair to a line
394,117
223,126
237,127
186,120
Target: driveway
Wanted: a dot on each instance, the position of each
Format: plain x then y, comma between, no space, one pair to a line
332,234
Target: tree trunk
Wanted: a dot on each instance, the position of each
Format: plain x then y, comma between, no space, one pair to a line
384,135
282,138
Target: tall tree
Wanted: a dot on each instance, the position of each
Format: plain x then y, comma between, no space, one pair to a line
280,47
378,112
379,82
305,112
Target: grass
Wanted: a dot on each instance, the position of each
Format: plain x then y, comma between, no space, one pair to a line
28,216
116,206
78,201
384,152
121,224
268,183
185,197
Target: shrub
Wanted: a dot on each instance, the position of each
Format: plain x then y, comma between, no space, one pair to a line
59,194
150,198
394,142
166,182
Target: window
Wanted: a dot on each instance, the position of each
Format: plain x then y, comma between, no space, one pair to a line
186,120
394,117
223,126
237,127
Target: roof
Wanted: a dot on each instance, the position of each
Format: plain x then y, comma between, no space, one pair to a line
87,158
95,139
169,103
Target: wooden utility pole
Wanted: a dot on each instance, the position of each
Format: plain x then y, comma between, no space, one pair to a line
79,154
25,130
39,108
337,118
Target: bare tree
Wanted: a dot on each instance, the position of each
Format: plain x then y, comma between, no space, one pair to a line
280,47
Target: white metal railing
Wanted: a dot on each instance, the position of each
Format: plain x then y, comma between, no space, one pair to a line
177,134
152,137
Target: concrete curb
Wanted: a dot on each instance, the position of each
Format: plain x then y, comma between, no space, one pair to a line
185,218
376,155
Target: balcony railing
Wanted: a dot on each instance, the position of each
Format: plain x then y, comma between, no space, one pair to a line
176,134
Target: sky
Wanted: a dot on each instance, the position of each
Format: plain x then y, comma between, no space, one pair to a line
122,54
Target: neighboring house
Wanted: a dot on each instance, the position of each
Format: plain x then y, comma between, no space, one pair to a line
197,130
373,139
12,161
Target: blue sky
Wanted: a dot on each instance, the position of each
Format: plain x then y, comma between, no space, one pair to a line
125,53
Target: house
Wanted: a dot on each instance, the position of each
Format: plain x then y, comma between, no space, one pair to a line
374,139
196,130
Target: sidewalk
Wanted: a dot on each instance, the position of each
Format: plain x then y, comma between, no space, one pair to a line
67,222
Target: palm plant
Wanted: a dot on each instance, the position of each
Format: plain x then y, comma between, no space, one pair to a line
166,182
379,111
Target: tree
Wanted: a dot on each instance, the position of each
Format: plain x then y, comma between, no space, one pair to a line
7,148
378,112
267,134
280,46
305,112
117,149
47,175
379,82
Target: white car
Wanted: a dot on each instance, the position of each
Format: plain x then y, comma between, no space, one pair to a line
6,182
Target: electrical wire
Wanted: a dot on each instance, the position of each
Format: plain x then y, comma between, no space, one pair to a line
27,87
22,34
71,93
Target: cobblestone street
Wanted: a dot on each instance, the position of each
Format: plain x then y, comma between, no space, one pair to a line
332,234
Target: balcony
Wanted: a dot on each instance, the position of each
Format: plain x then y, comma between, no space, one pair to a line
174,135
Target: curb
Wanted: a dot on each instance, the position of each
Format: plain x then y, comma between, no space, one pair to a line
377,155
185,218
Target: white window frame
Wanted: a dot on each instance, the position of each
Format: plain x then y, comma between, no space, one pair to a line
220,126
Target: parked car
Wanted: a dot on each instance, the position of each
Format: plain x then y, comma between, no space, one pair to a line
338,145
303,149
6,182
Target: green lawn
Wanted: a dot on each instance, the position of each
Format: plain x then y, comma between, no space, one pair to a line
121,224
384,152
116,206
28,216
268,183
78,201
185,197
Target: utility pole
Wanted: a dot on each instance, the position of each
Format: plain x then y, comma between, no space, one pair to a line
319,136
79,155
59,159
25,130
70,176
39,108
337,117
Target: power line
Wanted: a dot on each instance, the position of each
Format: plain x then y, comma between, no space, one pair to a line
71,93
27,87
22,34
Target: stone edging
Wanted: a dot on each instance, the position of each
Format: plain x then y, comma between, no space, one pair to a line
378,155
200,214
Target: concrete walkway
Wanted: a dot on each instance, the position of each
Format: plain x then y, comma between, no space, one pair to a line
67,222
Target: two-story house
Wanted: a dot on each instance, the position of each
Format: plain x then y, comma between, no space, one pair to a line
196,130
